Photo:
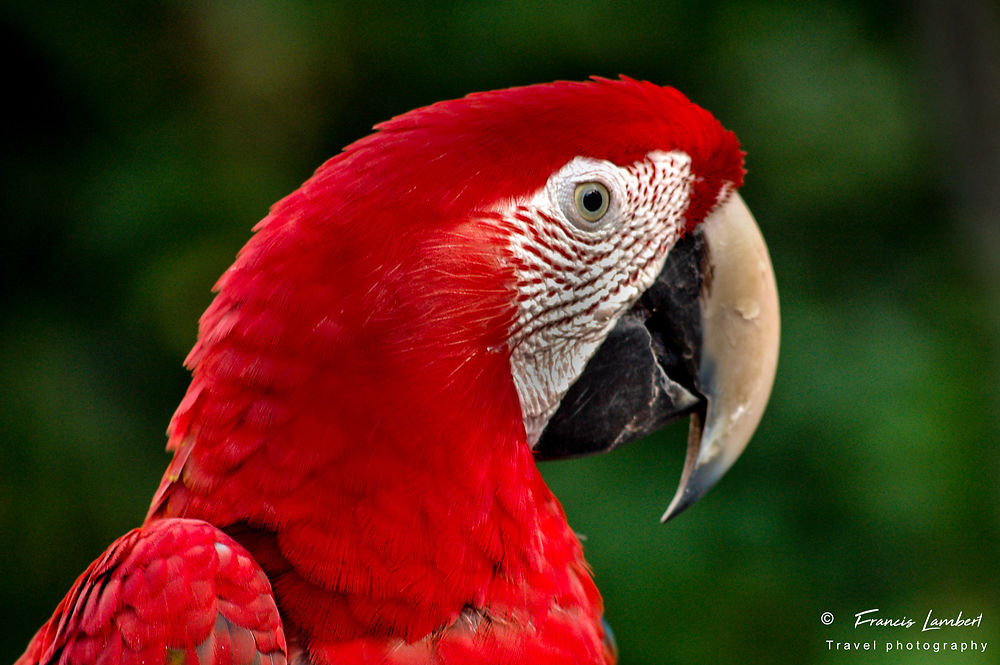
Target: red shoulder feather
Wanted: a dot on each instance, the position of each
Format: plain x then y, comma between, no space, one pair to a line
175,591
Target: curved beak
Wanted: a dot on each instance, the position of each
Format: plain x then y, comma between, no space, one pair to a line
739,349
703,340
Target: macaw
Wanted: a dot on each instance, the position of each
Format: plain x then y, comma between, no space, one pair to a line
537,272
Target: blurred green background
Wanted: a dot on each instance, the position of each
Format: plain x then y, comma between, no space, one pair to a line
144,139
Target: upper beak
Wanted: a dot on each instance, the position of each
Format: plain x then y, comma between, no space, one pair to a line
739,349
703,340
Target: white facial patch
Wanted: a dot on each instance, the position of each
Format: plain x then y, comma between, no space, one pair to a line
578,269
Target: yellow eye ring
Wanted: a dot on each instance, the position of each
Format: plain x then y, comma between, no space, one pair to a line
592,200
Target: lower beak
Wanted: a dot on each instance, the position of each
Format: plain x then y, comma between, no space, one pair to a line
703,340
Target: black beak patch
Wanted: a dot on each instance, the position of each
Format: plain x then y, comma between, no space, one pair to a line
645,373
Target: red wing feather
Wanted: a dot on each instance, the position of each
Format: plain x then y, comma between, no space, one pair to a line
175,591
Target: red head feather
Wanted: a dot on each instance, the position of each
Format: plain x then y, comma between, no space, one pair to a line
352,417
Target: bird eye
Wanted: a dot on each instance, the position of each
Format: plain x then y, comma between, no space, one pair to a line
592,200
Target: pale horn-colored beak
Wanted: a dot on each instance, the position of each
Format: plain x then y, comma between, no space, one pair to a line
739,349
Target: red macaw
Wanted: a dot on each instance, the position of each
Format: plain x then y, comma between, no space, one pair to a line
536,272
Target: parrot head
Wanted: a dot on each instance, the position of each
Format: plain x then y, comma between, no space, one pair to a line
532,273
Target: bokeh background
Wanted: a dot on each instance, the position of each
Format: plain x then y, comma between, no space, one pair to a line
142,140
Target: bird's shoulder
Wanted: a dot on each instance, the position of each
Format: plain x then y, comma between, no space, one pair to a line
176,591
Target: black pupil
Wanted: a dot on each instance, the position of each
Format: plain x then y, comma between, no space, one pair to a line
593,200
